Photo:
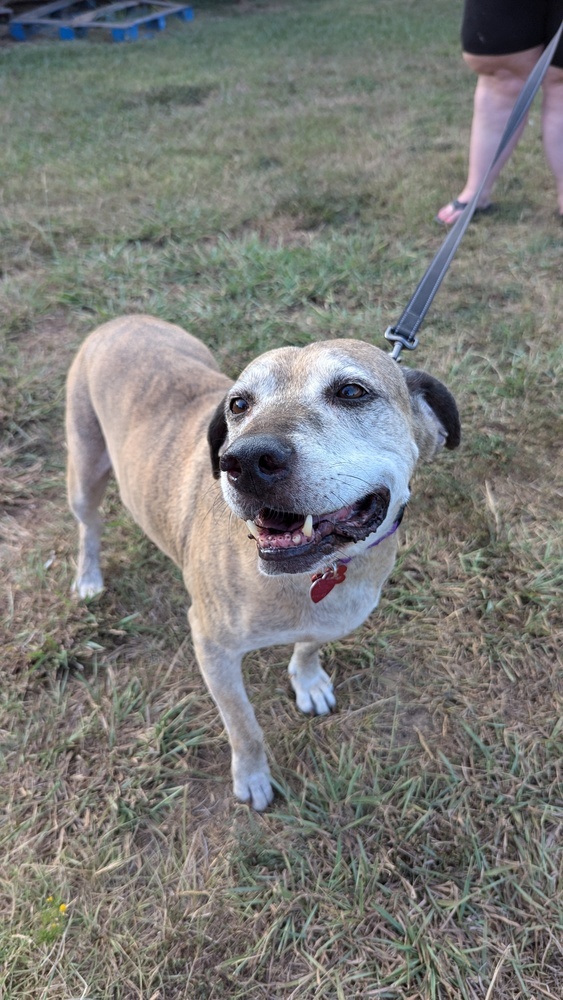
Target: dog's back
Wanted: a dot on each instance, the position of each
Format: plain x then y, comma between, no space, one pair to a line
138,426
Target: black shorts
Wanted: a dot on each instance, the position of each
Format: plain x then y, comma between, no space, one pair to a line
499,27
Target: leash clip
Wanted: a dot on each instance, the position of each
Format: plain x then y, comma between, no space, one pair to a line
400,340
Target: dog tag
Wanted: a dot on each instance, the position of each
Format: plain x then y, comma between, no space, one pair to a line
323,583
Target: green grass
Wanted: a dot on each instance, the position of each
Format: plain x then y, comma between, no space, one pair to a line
263,176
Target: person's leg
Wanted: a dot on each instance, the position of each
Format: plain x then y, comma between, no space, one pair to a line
552,126
500,80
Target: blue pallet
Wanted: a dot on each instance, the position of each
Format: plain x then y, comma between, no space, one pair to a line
75,18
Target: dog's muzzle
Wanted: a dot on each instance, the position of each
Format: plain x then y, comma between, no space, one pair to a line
292,541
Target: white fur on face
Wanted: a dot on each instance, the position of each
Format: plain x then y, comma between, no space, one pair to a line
343,451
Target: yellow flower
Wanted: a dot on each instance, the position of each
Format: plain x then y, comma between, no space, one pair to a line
49,899
63,908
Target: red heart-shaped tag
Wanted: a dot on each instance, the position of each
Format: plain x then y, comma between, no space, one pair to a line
321,587
323,583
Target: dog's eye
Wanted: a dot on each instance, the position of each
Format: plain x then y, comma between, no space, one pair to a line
238,405
351,391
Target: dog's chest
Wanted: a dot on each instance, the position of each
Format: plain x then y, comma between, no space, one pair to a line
300,619
347,605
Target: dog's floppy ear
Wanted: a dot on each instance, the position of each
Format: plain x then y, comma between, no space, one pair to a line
216,434
435,413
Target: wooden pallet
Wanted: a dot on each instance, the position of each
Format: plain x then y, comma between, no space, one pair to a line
74,18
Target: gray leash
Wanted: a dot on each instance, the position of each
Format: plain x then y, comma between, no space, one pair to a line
403,334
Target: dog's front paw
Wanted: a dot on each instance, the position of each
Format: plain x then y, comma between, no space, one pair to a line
254,787
313,695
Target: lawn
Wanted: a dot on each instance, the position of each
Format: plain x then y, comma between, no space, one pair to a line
268,175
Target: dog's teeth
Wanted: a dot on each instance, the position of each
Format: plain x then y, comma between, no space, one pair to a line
307,528
253,529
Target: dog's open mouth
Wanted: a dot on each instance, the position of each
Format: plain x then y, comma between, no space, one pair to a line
282,535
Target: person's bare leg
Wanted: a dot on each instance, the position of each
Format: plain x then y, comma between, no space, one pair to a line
552,126
500,80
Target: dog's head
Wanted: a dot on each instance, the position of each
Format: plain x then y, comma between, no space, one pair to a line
315,447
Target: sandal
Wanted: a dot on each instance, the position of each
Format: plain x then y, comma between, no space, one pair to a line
457,208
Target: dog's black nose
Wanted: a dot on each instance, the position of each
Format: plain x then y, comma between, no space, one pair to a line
258,459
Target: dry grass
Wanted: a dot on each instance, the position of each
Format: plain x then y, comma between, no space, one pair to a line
269,175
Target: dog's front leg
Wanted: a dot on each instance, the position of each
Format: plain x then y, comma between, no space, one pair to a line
222,673
312,685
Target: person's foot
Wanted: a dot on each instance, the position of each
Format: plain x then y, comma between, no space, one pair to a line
451,212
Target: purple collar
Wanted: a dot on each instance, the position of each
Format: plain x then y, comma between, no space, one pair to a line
323,583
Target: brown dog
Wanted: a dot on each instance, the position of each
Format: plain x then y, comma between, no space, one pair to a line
314,448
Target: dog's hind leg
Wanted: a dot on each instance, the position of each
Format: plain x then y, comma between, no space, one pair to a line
88,470
312,685
84,500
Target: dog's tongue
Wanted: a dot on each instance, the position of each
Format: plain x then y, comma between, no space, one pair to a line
281,530
292,522
279,522
288,530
